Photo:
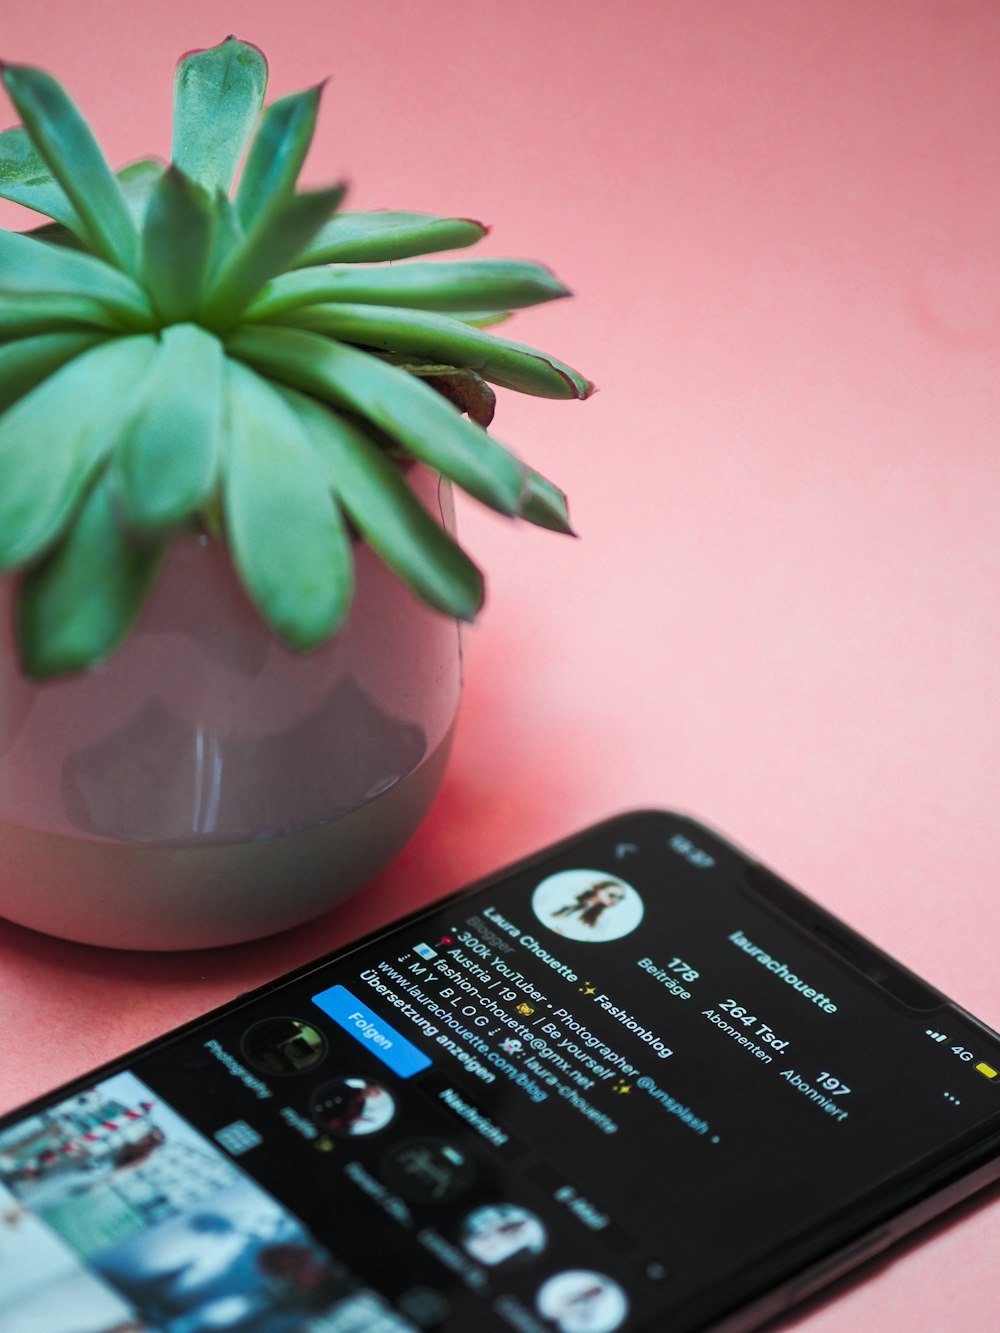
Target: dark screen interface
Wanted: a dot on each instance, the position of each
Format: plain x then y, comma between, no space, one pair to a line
572,1101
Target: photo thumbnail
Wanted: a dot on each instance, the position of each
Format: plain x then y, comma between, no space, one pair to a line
241,1264
283,1046
428,1170
109,1162
176,1238
579,1301
352,1106
501,1232
44,1288
590,906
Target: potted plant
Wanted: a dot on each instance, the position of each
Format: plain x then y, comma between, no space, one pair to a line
228,431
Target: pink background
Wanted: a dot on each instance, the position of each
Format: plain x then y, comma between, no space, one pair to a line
782,222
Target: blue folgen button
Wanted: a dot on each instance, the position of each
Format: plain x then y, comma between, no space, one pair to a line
373,1032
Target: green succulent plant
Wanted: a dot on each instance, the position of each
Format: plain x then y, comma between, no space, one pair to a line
176,355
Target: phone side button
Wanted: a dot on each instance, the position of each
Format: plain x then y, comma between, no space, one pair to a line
842,1262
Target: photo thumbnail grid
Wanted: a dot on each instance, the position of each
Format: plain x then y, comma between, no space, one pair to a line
116,1216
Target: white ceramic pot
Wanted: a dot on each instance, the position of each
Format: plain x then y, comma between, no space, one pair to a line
207,784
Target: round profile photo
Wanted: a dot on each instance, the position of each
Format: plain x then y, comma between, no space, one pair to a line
501,1232
582,1302
352,1106
587,905
428,1170
283,1046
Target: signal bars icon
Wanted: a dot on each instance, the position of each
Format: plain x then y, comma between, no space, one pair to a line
936,1036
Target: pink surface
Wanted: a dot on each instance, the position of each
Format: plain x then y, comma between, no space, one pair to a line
782,615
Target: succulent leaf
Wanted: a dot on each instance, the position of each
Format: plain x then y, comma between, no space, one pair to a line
274,239
56,234
468,391
25,315
453,285
137,180
287,536
31,267
25,179
409,412
177,242
229,234
509,364
360,237
544,504
65,142
28,361
387,514
167,460
53,440
258,365
75,608
479,319
218,95
277,152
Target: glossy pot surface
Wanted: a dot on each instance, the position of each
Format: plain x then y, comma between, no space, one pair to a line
208,784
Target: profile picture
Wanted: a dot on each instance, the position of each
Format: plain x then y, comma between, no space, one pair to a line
283,1046
587,905
428,1170
580,1301
352,1106
501,1232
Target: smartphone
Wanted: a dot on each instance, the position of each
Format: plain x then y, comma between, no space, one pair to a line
634,1082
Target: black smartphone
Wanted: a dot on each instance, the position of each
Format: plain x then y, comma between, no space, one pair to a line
634,1082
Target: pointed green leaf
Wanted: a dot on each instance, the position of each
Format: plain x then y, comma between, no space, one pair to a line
65,142
52,440
474,284
388,515
288,540
177,245
26,179
30,267
218,94
56,234
277,153
167,459
78,605
24,316
408,411
544,504
27,362
272,242
137,180
510,364
229,234
356,237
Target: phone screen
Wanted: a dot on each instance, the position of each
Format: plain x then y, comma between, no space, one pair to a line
598,1094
